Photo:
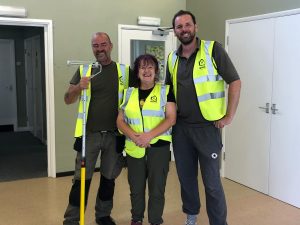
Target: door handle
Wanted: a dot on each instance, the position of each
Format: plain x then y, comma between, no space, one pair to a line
267,108
273,108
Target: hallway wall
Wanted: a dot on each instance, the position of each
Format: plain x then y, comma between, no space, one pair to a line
212,14
73,23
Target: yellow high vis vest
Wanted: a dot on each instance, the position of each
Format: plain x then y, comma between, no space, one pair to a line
85,71
151,115
209,85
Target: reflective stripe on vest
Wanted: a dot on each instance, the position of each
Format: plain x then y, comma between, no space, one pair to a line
85,70
152,114
123,74
209,85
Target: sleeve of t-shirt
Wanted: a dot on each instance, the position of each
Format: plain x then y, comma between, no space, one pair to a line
224,64
168,76
76,77
170,96
133,80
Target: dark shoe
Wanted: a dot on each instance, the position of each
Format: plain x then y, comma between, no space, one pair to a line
136,223
106,220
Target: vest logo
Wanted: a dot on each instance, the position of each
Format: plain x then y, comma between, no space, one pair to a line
214,155
153,98
202,64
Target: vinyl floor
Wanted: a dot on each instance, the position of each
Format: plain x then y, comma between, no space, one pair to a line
42,201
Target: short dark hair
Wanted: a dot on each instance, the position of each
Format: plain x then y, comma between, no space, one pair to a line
147,58
183,12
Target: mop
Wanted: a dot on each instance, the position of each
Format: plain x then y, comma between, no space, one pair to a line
84,99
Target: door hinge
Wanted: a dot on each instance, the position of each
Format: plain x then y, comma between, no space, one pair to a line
227,40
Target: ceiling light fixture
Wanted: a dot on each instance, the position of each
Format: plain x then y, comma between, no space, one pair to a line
9,11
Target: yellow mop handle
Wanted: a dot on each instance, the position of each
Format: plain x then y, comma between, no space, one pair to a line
82,195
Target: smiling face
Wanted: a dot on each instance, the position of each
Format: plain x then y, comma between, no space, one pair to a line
185,29
102,48
147,72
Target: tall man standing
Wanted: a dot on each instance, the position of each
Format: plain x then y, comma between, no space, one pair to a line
197,70
104,95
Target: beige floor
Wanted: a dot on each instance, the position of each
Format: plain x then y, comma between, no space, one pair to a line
42,201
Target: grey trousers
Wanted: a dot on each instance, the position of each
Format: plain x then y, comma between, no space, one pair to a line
194,145
154,167
111,164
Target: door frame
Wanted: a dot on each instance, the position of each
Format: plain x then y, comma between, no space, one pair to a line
11,44
49,81
227,40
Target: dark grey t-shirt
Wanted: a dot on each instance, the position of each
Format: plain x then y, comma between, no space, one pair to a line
103,108
187,104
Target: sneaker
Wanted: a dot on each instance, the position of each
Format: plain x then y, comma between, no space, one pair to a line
106,220
189,223
191,220
136,223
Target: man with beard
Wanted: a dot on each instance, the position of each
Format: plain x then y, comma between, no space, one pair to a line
197,70
104,95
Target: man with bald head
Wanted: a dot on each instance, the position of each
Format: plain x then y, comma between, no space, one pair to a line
104,94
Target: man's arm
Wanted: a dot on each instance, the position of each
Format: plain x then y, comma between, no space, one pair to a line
72,94
74,90
234,90
168,76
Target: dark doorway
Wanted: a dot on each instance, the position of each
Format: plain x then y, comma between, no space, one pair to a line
22,156
23,149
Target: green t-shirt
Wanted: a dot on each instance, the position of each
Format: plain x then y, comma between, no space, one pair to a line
103,108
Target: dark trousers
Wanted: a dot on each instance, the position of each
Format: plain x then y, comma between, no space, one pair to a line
111,163
193,145
154,166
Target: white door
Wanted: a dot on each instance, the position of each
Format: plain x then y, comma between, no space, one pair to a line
247,139
285,148
29,83
137,40
8,100
34,86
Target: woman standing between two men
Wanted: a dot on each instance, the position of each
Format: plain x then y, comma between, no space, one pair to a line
146,116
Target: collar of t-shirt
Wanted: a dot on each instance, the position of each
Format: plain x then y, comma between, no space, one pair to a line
179,50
